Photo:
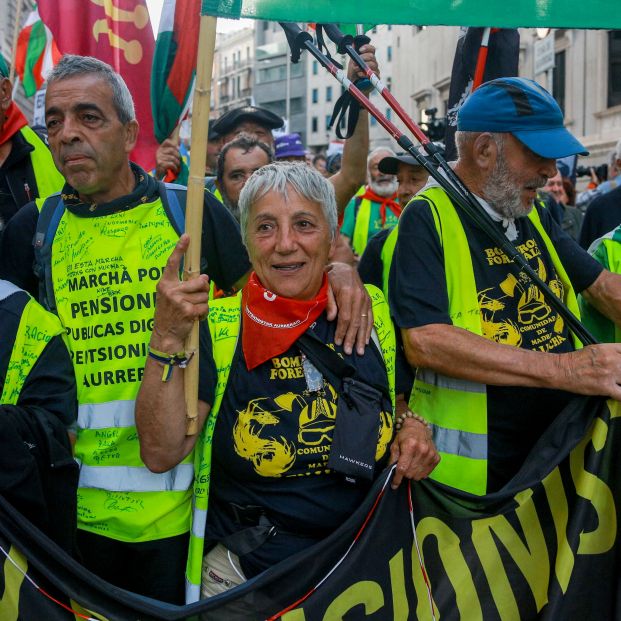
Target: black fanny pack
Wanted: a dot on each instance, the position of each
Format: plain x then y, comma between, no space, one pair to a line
356,430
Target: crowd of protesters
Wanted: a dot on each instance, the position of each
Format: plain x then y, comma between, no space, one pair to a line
330,284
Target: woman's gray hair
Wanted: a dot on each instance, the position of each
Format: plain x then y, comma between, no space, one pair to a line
71,65
276,177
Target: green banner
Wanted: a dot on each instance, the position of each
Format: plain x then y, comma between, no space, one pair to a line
521,13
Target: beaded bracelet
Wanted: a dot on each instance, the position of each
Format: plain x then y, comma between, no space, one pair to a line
169,361
409,414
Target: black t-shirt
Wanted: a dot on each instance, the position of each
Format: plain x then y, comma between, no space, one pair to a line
370,266
602,216
225,259
50,385
513,312
271,444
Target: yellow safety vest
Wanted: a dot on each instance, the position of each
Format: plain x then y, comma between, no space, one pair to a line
48,179
456,408
224,322
216,192
606,251
36,328
104,271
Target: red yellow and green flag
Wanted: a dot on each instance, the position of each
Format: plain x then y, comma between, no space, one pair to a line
174,64
36,54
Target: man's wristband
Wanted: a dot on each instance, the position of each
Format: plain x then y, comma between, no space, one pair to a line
169,361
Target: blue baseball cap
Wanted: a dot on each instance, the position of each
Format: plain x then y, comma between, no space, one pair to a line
523,108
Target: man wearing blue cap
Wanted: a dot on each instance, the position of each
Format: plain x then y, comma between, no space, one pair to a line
495,362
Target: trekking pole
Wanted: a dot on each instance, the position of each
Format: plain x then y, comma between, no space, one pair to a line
300,40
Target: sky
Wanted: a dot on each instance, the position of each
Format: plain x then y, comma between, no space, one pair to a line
224,25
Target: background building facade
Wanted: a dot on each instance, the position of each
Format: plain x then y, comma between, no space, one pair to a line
233,70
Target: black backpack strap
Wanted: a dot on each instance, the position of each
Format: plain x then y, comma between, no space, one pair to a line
47,224
327,361
173,199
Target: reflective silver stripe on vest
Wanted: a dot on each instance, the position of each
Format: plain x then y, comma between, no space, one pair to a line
192,592
7,288
108,414
462,443
199,521
136,479
442,381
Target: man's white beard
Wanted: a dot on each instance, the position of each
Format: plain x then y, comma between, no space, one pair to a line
384,188
504,195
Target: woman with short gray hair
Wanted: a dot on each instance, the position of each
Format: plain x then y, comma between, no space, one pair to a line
277,459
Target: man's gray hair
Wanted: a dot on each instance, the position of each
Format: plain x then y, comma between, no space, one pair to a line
71,65
377,150
277,177
463,139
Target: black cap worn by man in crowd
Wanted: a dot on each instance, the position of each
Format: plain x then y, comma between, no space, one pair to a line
410,175
249,120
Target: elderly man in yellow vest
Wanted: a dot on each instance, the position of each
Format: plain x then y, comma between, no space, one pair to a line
27,169
101,246
375,207
496,364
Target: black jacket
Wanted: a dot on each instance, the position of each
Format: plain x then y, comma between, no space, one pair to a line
18,185
38,474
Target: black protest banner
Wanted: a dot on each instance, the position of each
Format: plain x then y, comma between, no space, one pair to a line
545,547
502,61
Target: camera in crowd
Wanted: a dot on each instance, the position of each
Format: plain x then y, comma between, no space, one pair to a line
585,171
434,128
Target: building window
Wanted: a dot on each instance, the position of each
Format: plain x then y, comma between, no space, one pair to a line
388,113
373,121
328,117
614,68
328,93
389,27
315,95
266,25
389,53
314,125
558,80
315,67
